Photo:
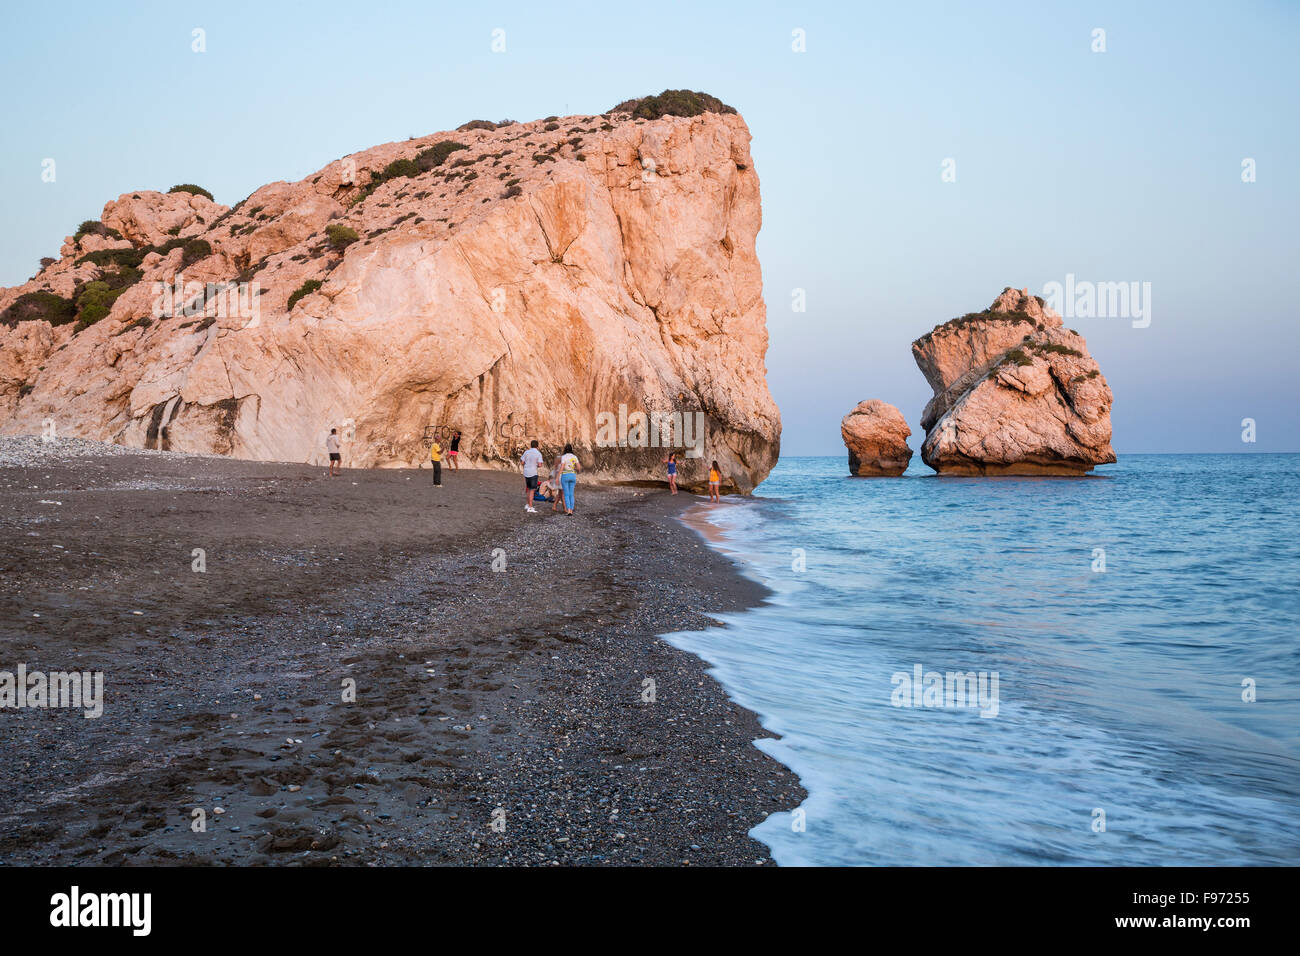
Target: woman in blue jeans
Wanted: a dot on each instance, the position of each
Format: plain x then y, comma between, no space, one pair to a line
569,468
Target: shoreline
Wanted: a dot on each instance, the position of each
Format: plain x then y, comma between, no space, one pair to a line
720,539
481,696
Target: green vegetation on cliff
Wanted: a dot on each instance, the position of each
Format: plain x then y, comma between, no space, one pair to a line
192,190
42,305
672,103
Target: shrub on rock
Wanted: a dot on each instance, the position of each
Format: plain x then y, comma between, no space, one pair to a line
192,189
340,236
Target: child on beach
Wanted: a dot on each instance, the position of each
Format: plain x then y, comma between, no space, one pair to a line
556,487
715,482
454,450
671,462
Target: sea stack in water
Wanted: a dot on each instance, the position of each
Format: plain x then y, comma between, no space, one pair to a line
1015,393
875,434
513,281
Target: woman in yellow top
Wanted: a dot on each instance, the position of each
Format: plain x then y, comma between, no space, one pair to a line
435,457
715,482
569,468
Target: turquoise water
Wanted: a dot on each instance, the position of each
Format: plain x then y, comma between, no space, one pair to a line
1120,692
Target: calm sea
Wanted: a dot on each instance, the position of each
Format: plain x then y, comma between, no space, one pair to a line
1126,617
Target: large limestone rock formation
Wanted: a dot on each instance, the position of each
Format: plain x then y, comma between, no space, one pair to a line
875,434
1014,393
545,280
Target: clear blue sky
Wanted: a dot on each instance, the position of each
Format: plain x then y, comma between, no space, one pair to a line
1115,166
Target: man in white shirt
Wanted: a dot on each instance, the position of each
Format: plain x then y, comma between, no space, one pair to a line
332,446
531,460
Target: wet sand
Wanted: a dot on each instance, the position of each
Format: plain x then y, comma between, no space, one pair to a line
480,694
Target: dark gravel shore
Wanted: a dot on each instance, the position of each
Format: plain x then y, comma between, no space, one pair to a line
514,694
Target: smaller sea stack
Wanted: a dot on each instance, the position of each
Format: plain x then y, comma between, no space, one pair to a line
875,434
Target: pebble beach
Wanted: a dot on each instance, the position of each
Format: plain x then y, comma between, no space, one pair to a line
364,670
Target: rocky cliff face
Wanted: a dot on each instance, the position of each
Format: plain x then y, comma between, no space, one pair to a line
1014,393
591,279
875,434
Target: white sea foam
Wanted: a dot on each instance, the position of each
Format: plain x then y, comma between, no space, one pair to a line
1120,700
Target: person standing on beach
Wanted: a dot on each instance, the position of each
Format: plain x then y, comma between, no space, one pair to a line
557,495
715,482
336,456
671,462
530,460
435,458
569,468
454,450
